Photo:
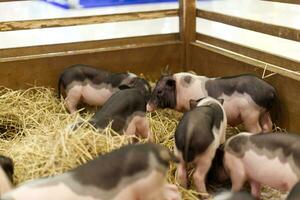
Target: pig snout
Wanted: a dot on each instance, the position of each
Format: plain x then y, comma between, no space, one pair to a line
150,107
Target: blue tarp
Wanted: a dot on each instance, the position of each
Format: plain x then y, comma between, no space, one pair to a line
102,3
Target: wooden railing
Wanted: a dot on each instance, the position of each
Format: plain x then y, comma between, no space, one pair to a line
262,59
96,19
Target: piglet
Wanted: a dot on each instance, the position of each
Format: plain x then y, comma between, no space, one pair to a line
197,137
94,87
126,111
271,159
247,99
132,172
6,173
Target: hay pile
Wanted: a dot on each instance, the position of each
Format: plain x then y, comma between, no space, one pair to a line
33,129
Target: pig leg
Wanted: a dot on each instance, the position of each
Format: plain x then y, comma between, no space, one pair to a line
182,173
131,129
5,184
73,98
181,169
203,163
143,128
236,171
266,122
139,125
255,189
251,121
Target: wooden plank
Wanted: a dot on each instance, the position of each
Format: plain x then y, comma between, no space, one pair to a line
252,53
271,29
187,14
214,64
73,21
252,61
47,49
44,71
83,51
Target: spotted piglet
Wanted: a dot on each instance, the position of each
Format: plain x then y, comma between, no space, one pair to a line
132,172
198,135
126,110
6,173
247,99
271,159
94,87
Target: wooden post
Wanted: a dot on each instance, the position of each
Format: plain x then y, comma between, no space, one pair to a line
187,17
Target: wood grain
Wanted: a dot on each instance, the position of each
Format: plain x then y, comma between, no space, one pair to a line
96,19
187,16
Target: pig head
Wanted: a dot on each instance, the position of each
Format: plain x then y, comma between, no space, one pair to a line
164,94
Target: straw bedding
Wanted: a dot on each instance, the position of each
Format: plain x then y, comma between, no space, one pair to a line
34,133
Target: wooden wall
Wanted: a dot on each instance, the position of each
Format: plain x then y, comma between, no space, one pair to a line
41,66
45,71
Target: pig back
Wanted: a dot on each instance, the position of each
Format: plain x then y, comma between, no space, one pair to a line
119,108
281,145
262,93
81,73
194,132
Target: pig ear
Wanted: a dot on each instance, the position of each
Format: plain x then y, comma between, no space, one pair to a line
221,101
170,82
193,103
123,87
192,72
165,71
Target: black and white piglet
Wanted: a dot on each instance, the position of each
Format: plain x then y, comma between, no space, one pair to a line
94,86
132,172
271,159
126,111
247,99
197,137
